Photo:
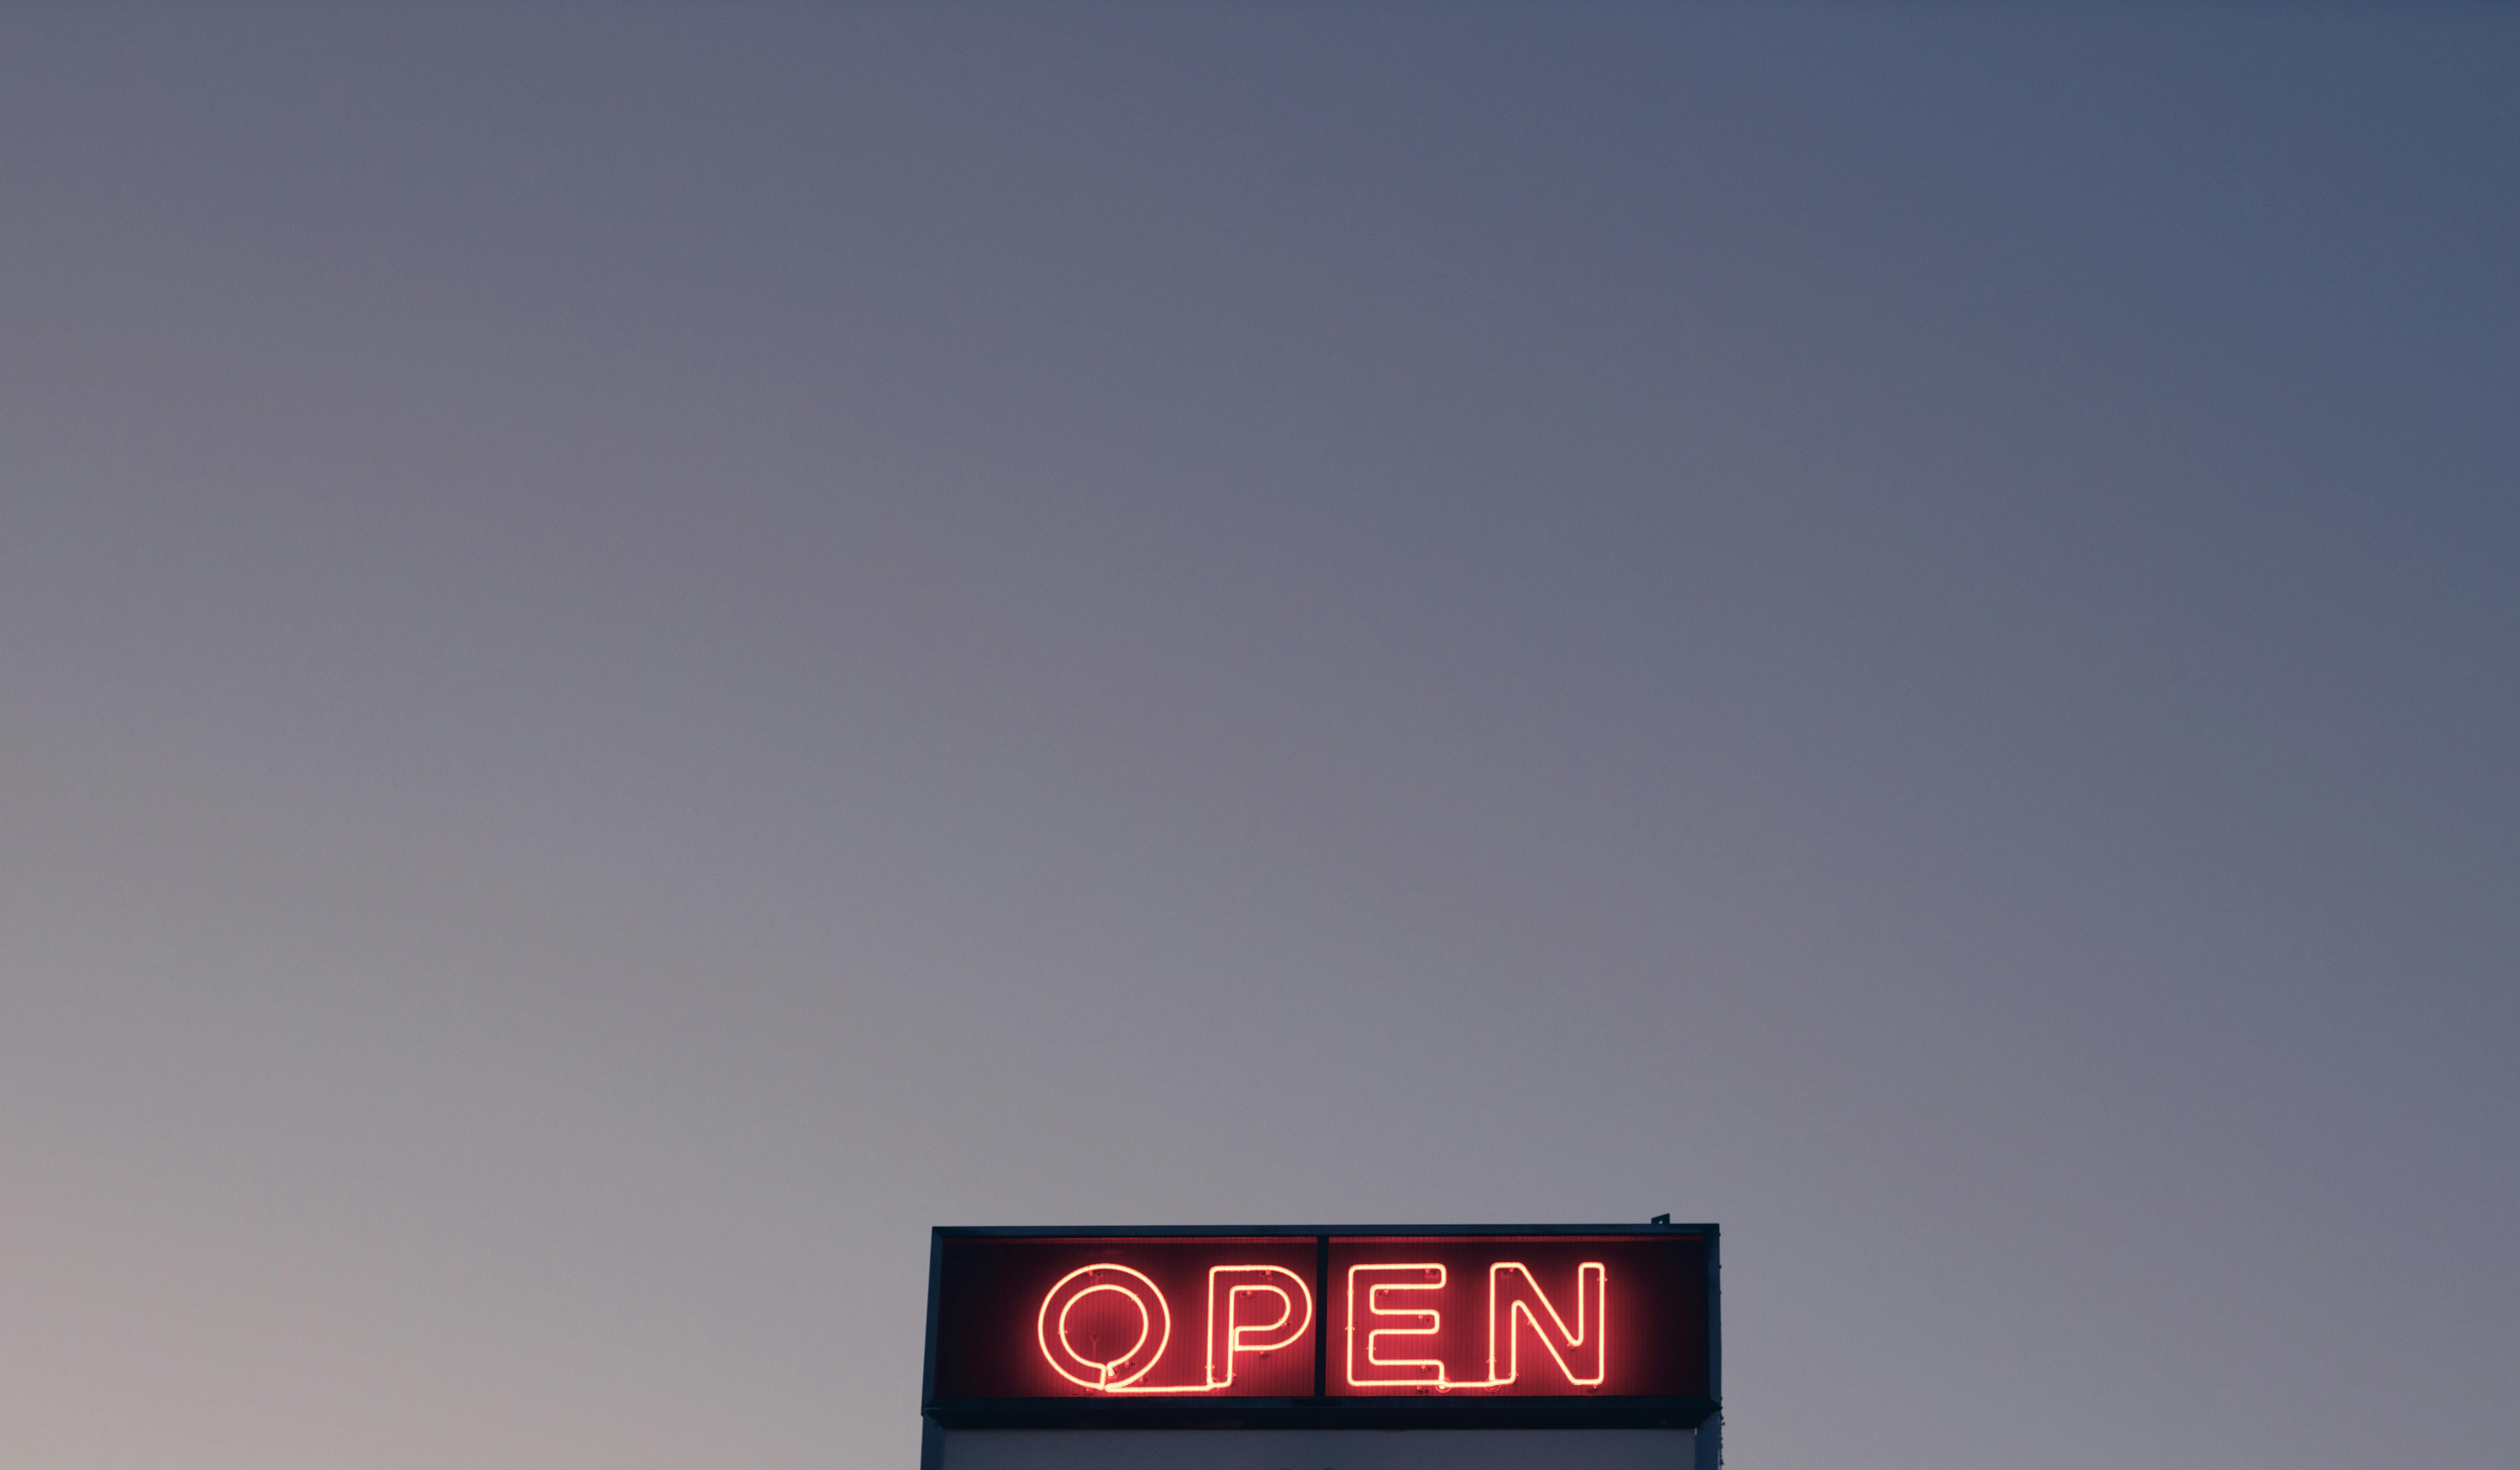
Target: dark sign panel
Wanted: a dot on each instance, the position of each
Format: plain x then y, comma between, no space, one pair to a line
1278,1324
1518,1316
1126,1318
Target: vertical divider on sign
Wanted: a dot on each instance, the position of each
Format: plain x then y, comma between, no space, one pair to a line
1321,1316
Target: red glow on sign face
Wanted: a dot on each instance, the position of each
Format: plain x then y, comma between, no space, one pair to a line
1529,1316
1127,1319
1517,1310
1252,1310
1149,1320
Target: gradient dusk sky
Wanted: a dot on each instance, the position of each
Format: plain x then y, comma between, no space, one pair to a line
644,650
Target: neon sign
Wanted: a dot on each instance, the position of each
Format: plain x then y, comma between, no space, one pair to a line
1137,1321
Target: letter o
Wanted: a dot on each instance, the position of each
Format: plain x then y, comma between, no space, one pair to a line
1111,1375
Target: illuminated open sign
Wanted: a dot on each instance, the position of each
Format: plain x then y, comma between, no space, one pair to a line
1323,1325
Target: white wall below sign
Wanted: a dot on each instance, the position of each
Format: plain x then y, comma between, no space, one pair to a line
1324,1450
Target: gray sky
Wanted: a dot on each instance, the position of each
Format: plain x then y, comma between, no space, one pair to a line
644,652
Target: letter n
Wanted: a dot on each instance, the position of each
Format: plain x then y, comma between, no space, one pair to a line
1515,1298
